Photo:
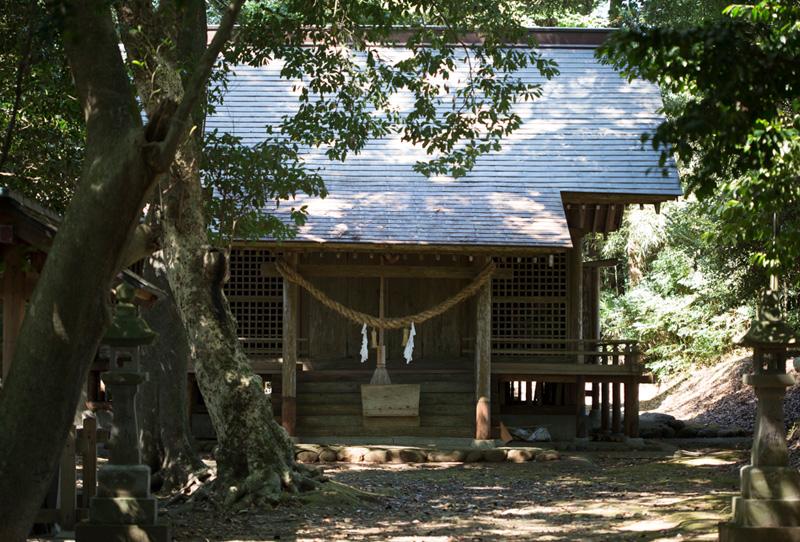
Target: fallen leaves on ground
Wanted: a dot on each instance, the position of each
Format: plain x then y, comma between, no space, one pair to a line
642,497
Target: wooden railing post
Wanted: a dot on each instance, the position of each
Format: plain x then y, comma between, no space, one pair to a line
66,490
616,407
89,456
632,392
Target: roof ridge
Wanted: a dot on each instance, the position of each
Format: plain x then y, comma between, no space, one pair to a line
545,36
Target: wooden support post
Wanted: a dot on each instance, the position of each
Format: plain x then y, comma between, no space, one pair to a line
581,431
66,488
616,407
89,461
632,408
632,393
595,396
289,351
575,292
13,303
483,363
604,406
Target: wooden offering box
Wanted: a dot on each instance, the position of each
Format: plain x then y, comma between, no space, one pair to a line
392,400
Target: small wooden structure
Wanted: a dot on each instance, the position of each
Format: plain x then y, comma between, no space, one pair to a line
67,505
26,234
526,349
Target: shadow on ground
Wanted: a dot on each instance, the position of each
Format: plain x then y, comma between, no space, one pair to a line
643,498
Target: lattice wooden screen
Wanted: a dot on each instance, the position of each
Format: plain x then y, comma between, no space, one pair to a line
256,301
530,306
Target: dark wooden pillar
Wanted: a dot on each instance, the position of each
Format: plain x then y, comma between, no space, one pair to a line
632,407
575,292
13,303
289,345
604,406
581,431
591,319
483,363
575,318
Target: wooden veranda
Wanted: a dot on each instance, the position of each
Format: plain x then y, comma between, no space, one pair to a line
524,350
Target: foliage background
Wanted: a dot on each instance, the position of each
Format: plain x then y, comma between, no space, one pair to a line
690,278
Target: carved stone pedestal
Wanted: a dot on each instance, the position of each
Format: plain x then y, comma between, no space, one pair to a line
769,507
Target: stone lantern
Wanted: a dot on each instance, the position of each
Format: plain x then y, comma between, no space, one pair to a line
124,509
769,506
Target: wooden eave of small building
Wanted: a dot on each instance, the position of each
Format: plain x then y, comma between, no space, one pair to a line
400,248
589,212
23,221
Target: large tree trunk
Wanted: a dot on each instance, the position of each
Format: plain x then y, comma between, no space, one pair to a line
68,312
255,456
164,427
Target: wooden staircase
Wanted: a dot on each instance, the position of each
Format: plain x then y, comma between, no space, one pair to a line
329,405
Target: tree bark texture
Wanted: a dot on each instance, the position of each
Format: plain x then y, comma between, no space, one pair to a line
68,312
255,456
162,401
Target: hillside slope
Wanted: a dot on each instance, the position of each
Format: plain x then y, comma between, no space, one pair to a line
716,395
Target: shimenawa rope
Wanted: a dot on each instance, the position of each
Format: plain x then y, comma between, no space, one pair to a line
291,274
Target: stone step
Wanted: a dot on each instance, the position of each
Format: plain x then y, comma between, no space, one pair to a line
425,399
356,421
452,386
354,408
460,431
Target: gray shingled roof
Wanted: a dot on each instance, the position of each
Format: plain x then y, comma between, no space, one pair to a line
582,135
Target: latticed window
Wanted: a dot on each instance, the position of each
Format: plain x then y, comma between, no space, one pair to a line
531,306
256,301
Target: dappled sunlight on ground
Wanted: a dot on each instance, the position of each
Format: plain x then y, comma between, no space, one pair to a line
642,497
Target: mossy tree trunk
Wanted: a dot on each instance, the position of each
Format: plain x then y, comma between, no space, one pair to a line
68,312
255,456
162,401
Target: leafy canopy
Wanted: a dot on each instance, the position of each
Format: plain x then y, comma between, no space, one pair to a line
737,133
41,124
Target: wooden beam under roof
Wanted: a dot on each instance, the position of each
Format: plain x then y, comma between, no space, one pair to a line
340,270
617,198
407,248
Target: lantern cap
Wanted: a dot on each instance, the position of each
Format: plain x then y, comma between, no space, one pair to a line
768,329
127,328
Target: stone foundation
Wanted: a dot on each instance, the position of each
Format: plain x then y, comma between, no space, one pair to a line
312,453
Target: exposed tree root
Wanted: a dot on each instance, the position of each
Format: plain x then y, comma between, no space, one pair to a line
341,493
309,486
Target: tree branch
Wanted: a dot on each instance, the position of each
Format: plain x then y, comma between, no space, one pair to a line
194,91
145,241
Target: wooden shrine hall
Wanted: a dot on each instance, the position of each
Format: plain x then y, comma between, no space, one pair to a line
522,345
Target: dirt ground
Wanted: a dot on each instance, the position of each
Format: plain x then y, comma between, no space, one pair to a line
609,496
